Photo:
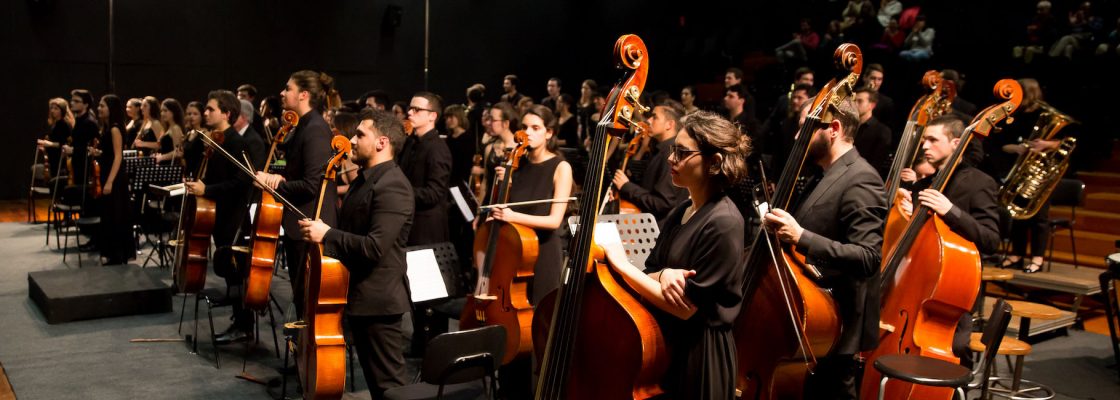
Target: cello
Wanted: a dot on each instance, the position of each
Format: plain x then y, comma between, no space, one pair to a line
801,319
196,223
932,276
321,352
270,212
505,254
593,336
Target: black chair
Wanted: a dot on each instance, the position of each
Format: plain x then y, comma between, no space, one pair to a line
1071,193
928,371
430,318
1110,284
457,365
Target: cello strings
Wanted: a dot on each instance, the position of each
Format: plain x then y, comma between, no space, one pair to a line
270,190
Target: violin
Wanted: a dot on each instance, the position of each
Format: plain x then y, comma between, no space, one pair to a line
95,175
787,320
196,223
505,256
266,233
931,276
321,355
593,336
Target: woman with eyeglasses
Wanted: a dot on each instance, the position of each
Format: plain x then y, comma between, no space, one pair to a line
501,122
694,275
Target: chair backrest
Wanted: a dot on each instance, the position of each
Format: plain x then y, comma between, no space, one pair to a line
464,356
993,334
1068,192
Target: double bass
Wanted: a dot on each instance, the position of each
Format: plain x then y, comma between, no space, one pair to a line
932,275
321,352
787,320
593,337
641,131
270,212
505,254
196,223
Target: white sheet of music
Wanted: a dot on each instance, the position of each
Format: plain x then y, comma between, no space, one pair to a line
462,203
424,278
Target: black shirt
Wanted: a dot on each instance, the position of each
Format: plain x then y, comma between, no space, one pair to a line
307,152
873,140
426,161
975,214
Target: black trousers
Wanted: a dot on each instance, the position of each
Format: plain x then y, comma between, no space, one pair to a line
226,265
1038,230
380,342
295,252
835,378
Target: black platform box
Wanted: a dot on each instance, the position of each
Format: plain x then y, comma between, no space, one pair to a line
97,292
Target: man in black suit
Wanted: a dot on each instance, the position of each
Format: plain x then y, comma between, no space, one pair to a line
374,222
839,229
426,161
307,152
885,110
656,194
230,189
873,138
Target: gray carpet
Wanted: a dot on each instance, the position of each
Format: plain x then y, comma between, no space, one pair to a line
94,359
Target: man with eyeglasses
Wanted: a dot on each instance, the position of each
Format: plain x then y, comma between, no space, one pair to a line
656,193
85,129
426,161
839,230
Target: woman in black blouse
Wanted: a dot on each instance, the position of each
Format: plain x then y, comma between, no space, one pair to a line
694,275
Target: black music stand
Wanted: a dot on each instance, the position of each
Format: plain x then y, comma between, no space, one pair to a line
144,178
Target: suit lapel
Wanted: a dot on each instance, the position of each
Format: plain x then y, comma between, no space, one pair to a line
831,177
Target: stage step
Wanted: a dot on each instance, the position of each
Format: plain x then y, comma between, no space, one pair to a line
1096,178
1091,220
1104,201
1083,259
1089,244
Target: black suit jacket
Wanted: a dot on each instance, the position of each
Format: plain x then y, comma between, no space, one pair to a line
873,140
975,214
843,237
656,193
231,188
307,152
375,220
426,161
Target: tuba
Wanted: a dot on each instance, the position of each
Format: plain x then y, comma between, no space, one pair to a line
1035,174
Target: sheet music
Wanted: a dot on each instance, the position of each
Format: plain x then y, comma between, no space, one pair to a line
462,203
424,278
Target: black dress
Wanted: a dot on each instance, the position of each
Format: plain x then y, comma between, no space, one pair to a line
59,133
569,133
702,364
534,182
166,146
115,240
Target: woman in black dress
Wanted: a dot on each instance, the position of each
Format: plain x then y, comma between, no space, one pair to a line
569,125
135,120
694,275
61,120
115,238
170,144
151,130
543,174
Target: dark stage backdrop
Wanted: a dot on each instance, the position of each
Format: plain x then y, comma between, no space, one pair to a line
183,49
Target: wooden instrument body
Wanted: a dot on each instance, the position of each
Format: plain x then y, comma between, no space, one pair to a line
626,207
622,353
322,348
935,285
895,226
266,235
511,272
199,215
771,364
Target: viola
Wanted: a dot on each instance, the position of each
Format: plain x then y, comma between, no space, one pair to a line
196,223
505,254
266,233
321,354
931,276
593,337
787,320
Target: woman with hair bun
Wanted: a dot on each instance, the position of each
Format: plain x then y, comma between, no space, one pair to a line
694,275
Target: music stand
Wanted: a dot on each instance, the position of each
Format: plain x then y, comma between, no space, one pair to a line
155,175
639,234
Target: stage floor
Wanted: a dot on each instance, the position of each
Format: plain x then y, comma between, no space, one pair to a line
96,360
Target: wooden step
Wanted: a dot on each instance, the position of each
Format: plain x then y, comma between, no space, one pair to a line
1089,244
1083,260
1094,178
1090,189
1104,201
1091,220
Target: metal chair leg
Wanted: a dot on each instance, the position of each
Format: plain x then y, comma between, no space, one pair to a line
213,335
272,326
883,387
182,310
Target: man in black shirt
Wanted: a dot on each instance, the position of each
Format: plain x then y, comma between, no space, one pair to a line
656,194
85,129
553,90
839,229
509,84
369,240
873,138
885,110
426,161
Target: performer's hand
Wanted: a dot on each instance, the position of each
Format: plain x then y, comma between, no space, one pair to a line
673,282
271,180
504,214
1039,145
108,188
1014,148
906,202
908,175
313,231
936,201
196,188
500,172
781,222
620,179
68,149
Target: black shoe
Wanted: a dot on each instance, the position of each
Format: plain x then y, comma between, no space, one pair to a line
1008,264
233,336
1032,268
